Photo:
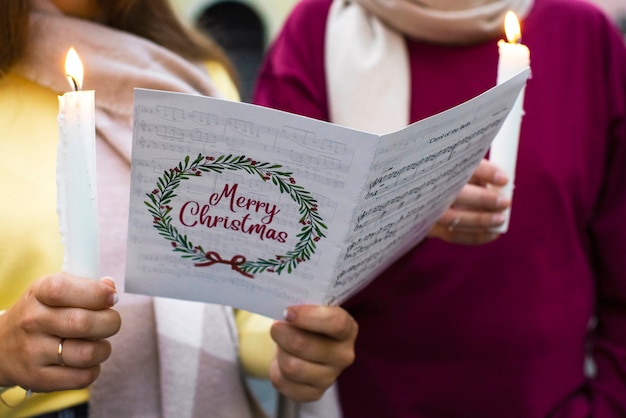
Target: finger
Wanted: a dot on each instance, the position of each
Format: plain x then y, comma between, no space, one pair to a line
55,378
42,371
331,321
312,347
78,353
298,370
83,323
479,198
456,219
299,343
297,392
300,393
489,173
461,236
299,380
62,289
71,322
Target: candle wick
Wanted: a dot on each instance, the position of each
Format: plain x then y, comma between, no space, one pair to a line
73,82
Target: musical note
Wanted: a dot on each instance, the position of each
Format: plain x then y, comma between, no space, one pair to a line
170,113
203,118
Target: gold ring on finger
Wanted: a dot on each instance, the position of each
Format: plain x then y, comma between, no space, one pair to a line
60,352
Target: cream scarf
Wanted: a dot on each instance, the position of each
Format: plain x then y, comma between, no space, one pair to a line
366,59
171,358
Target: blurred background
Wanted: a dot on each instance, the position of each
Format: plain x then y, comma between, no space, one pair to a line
245,28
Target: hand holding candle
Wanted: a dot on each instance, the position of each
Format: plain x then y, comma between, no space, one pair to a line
76,175
514,57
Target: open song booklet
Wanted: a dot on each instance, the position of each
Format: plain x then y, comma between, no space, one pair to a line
260,209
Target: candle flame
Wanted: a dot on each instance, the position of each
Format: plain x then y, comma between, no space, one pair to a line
512,28
74,69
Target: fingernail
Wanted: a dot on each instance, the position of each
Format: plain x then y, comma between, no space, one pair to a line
113,299
110,279
289,315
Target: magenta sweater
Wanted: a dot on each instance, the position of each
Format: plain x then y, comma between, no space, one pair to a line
499,330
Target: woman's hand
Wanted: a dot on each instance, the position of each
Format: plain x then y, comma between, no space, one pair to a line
315,343
60,318
476,210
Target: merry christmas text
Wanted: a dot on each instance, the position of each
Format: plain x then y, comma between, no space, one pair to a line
193,213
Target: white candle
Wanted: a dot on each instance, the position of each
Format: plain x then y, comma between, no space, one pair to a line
513,58
76,175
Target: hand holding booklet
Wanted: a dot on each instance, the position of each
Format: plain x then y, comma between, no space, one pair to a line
260,209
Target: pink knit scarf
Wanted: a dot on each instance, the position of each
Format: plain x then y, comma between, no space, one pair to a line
115,62
171,358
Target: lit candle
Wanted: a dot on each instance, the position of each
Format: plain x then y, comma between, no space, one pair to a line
76,174
513,58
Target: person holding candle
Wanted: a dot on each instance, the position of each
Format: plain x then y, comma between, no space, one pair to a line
169,358
531,324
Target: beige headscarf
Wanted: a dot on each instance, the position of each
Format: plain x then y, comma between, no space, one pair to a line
367,66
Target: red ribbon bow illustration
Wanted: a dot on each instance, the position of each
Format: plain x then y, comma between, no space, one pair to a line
234,262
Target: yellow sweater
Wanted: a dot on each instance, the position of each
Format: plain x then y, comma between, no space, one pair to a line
30,246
